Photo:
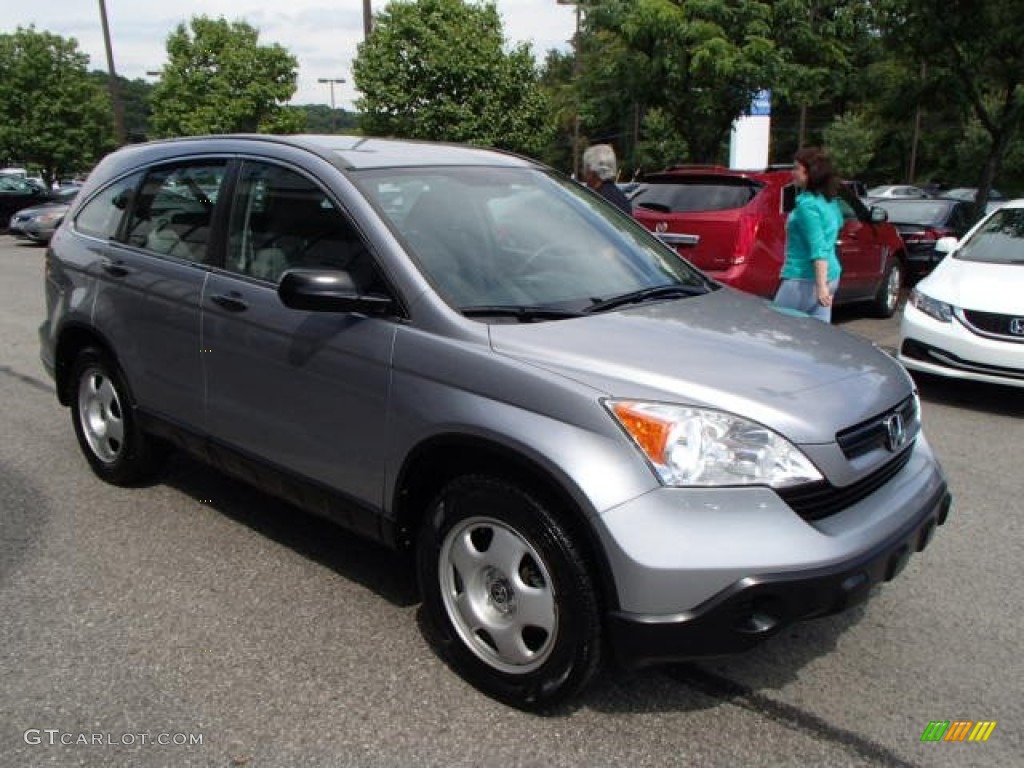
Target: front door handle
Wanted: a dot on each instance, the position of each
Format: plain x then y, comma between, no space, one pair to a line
232,302
114,267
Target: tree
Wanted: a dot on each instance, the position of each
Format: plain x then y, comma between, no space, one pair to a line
135,95
219,79
850,141
700,62
977,43
54,116
437,69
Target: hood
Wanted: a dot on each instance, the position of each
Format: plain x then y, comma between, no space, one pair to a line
977,285
726,350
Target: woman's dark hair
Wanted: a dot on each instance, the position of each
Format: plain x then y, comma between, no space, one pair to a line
821,176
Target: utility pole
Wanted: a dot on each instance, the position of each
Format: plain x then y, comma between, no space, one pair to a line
367,19
115,91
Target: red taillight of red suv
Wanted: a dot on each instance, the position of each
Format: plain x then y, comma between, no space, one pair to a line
927,235
746,234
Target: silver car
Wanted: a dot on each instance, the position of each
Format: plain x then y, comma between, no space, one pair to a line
590,449
39,222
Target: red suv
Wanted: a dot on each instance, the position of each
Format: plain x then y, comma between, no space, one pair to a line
732,225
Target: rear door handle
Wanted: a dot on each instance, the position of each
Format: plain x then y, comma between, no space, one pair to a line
114,267
232,302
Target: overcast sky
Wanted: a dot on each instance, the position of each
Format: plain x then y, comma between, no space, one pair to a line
321,34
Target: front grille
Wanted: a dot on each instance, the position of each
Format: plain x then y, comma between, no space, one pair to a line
873,433
821,499
993,324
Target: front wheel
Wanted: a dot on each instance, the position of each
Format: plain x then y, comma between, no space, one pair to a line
888,297
508,593
104,418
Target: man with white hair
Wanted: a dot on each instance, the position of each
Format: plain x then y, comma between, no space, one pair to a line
599,171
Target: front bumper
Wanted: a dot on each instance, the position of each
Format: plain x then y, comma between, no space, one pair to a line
756,607
950,349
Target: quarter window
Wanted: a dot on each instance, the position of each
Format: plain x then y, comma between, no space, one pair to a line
101,216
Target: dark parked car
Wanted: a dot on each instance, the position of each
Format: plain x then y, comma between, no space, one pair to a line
995,197
40,222
921,223
587,447
17,193
732,224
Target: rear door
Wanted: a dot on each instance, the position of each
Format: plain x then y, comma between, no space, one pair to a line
150,276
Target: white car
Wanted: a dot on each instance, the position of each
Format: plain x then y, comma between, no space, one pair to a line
966,319
897,190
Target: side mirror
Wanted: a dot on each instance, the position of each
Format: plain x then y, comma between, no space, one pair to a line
946,244
328,291
878,215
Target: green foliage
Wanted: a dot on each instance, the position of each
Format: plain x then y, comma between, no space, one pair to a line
662,144
54,116
851,142
437,69
320,118
699,61
135,99
976,47
219,79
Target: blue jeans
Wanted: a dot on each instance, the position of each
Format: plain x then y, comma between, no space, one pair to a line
802,295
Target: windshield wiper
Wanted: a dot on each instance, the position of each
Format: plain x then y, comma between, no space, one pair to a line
647,294
522,313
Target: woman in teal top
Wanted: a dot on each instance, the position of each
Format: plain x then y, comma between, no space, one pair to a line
810,274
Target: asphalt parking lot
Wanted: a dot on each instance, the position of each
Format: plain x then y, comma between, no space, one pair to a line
138,622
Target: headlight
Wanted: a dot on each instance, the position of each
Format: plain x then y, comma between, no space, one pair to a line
701,447
938,310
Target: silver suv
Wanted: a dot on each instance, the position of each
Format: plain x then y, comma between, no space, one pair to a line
591,449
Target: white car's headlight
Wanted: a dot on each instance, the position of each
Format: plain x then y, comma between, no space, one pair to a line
939,310
702,447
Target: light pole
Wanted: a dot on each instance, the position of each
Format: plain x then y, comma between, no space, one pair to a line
332,81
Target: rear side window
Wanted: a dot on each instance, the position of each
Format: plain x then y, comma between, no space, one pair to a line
681,195
174,209
102,215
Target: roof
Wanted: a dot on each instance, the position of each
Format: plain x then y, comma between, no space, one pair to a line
350,152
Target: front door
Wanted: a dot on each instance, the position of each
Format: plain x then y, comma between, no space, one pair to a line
304,391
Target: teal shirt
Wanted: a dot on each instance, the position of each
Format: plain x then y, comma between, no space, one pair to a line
811,233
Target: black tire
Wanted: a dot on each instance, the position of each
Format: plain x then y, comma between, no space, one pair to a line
520,618
104,417
887,299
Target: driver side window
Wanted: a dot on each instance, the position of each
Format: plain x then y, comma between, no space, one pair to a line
282,220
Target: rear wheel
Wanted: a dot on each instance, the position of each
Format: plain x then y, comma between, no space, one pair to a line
104,419
888,297
507,593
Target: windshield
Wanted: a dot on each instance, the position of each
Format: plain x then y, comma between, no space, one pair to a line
1000,240
519,237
